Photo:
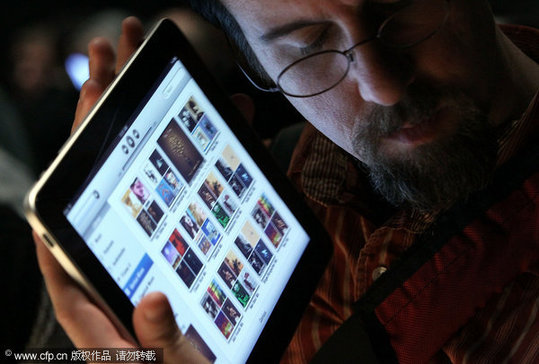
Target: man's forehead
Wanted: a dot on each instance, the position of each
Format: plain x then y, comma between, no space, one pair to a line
266,12
258,16
276,6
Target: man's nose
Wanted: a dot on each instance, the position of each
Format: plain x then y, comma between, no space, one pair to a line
382,76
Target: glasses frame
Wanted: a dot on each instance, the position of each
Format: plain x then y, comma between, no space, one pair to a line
349,54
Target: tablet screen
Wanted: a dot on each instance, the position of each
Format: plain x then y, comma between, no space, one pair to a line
177,205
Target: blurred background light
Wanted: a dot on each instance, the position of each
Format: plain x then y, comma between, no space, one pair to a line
76,65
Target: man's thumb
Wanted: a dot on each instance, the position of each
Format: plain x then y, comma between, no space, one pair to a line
155,327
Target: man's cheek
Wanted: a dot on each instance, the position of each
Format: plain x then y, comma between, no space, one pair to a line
329,110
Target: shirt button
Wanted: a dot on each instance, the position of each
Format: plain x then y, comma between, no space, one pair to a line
377,272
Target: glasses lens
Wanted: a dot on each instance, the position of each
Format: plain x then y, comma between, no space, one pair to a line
313,75
414,23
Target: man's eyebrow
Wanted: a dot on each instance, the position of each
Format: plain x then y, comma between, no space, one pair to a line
283,30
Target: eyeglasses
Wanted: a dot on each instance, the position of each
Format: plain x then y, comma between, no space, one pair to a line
414,22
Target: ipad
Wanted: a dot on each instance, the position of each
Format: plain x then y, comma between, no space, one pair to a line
164,187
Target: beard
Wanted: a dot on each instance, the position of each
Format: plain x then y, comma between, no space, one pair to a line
435,175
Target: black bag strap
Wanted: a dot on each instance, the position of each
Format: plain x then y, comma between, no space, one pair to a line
362,338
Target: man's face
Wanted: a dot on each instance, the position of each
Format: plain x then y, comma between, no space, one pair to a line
404,113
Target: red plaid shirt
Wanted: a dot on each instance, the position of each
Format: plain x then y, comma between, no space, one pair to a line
506,329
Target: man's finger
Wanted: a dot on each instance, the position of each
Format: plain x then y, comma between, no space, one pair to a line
85,324
89,93
101,67
102,60
156,328
131,37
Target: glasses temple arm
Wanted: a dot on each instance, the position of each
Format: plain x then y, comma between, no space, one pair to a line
260,88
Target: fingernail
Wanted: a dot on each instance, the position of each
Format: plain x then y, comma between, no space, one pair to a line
157,312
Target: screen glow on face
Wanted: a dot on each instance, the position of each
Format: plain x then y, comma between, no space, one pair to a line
180,207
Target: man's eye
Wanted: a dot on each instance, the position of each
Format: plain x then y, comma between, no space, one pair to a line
316,45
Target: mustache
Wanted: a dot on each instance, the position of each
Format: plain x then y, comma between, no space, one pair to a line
420,103
435,175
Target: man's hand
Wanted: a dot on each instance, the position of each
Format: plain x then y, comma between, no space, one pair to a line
88,327
84,322
104,65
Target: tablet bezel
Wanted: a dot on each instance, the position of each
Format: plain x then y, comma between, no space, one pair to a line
59,185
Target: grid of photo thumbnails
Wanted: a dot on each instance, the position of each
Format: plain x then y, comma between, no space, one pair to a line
208,215
160,176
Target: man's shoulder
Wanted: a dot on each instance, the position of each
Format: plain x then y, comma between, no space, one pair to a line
524,37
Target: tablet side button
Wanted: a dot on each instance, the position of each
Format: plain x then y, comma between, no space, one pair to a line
48,241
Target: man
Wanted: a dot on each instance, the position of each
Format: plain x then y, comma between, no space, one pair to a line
427,97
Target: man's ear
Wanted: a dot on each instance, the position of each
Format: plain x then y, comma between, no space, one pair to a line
246,106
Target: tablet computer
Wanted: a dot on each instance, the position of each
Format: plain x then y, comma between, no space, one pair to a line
164,187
